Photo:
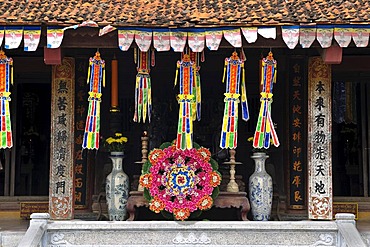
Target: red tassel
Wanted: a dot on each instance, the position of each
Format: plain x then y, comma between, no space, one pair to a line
242,55
202,57
153,58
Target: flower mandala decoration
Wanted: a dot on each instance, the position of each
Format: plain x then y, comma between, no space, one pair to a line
180,182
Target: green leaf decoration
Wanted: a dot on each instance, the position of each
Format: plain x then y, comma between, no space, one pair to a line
167,215
146,167
196,145
165,145
195,214
215,193
147,195
214,164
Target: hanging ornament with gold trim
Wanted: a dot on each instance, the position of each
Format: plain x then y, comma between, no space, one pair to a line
95,77
265,130
6,78
235,77
143,91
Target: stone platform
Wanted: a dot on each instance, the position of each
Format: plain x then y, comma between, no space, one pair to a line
45,232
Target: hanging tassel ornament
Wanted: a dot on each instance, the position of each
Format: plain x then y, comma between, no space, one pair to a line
265,131
197,100
187,70
143,92
235,77
95,77
6,78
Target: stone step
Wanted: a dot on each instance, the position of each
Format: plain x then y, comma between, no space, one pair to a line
10,238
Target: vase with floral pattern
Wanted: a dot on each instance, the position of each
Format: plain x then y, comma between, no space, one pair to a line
260,189
117,189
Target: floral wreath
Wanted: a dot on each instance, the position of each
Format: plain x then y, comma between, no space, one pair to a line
180,182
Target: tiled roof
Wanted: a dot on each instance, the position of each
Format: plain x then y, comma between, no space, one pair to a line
183,13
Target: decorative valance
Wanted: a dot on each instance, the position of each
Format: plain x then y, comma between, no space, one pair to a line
164,39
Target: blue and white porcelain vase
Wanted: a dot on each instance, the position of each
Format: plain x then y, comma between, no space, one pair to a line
260,189
117,189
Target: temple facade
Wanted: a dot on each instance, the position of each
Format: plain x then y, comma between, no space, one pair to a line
318,112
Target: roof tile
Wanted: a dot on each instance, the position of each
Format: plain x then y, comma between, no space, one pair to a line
184,12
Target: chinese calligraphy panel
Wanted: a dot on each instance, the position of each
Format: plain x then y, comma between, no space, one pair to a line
61,191
319,140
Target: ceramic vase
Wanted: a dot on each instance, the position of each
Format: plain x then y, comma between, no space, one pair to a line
117,189
260,189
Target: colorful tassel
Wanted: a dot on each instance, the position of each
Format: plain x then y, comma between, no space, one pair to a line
143,92
6,78
234,75
95,78
265,131
186,101
197,102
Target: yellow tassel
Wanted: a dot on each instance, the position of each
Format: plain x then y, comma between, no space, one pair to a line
103,77
262,72
135,55
177,72
88,73
223,78
275,73
11,78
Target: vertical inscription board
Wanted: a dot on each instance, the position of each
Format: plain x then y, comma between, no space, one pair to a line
320,187
61,188
80,165
297,133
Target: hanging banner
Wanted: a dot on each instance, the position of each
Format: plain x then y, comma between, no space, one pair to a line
297,133
161,40
143,91
184,139
290,35
106,29
235,79
196,41
343,36
1,35
324,35
267,32
31,38
61,192
95,77
125,38
359,35
178,41
54,37
265,131
81,169
233,37
13,37
307,35
213,39
320,189
6,79
143,40
250,34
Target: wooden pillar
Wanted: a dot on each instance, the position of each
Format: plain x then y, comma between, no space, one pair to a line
61,188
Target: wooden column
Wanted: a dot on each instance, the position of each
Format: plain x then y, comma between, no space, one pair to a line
114,85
